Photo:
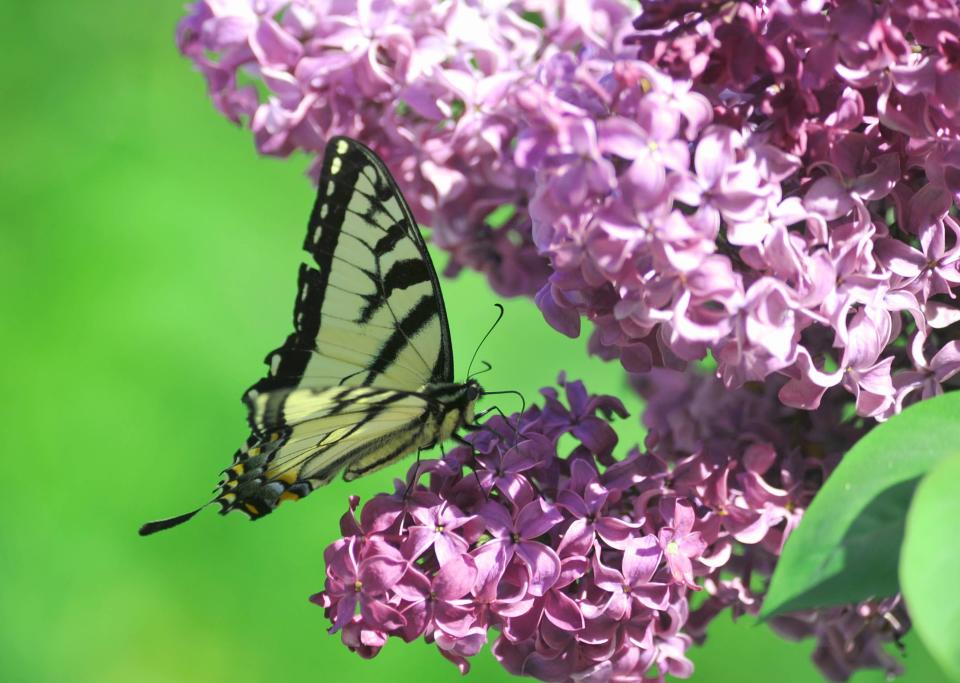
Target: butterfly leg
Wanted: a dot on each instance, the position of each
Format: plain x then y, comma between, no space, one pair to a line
494,409
473,454
483,413
413,477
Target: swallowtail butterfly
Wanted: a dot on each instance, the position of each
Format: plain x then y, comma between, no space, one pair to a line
366,377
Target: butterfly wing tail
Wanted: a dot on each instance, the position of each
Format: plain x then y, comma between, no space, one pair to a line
240,489
170,522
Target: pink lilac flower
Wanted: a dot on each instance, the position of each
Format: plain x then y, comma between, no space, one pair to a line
634,588
929,376
435,603
362,574
681,545
437,529
513,536
586,574
758,176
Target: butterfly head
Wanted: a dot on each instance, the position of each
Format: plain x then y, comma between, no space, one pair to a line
474,390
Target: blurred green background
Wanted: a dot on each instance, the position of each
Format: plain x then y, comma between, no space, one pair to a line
149,262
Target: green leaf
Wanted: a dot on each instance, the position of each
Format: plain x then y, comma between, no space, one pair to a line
847,546
930,564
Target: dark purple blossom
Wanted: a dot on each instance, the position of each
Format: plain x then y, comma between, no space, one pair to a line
515,536
585,501
587,575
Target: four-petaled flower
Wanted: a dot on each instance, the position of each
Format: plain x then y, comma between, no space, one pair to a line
633,587
680,544
515,535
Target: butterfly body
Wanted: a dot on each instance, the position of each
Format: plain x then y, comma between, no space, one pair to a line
366,377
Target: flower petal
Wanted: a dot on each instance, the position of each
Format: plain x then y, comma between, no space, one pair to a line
537,518
455,578
542,564
563,611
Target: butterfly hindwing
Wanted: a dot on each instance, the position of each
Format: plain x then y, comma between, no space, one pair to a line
318,432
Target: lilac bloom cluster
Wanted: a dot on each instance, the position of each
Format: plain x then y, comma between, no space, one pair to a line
770,183
585,563
754,465
425,84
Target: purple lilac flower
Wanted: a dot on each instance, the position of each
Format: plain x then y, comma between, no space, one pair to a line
850,638
584,569
752,274
759,176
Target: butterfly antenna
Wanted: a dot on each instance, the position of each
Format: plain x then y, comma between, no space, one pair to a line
476,350
488,368
413,477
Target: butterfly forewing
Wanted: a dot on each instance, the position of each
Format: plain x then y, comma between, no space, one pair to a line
371,311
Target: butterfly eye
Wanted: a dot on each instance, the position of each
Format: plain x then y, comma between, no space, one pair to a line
473,391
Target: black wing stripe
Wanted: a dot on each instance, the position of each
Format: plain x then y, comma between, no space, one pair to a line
402,274
412,323
401,449
285,362
395,233
335,466
366,245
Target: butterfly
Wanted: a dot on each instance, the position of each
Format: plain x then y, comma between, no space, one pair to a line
366,377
